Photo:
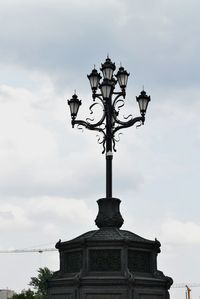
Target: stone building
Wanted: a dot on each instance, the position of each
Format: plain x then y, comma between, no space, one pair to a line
109,263
6,294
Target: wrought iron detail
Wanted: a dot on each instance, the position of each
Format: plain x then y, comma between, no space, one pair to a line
72,261
138,261
105,260
116,125
111,103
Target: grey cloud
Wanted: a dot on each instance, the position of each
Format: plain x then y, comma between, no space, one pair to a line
64,38
5,215
47,48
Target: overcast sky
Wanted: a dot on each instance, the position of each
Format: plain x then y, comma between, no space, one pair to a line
51,175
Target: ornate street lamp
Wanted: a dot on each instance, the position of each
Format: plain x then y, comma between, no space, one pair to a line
109,262
143,101
74,105
94,78
122,77
111,101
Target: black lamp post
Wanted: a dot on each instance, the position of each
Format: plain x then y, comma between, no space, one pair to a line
111,101
109,262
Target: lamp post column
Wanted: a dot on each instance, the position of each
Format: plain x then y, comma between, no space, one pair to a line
109,154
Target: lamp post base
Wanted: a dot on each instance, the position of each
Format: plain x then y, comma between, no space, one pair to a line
109,263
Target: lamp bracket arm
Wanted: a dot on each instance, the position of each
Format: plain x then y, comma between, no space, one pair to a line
88,126
120,122
128,124
93,128
120,93
98,96
79,122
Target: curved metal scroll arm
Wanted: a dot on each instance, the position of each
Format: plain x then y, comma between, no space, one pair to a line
116,100
120,124
98,123
116,112
103,142
89,126
129,123
92,127
116,140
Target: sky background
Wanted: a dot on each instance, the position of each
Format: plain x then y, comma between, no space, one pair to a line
51,175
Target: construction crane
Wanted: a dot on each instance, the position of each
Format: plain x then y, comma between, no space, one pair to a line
188,287
188,290
39,250
185,285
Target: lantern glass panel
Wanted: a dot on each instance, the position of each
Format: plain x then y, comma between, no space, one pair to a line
74,106
107,73
143,101
94,78
106,90
122,79
93,82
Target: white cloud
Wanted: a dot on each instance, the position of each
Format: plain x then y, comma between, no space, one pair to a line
50,174
62,209
43,220
179,232
13,217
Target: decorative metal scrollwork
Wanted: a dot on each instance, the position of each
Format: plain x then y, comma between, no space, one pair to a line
100,125
111,102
